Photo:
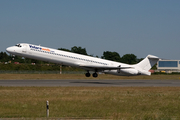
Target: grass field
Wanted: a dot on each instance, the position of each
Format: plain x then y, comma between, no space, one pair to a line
124,103
82,76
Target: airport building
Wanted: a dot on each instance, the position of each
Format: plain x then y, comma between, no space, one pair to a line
168,66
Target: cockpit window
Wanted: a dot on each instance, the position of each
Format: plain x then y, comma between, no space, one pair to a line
18,45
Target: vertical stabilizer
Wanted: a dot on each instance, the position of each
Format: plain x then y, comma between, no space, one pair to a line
147,63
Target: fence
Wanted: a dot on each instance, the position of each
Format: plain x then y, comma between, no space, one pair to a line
39,72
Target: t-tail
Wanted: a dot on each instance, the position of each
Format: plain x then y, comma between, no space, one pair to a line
146,64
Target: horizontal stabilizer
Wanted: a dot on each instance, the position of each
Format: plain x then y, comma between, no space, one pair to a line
152,57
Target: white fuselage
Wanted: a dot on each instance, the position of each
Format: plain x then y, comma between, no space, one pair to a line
72,59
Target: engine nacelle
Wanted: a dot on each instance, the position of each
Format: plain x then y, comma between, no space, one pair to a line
130,71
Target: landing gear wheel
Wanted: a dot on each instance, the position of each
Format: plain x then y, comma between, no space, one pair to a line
88,74
95,74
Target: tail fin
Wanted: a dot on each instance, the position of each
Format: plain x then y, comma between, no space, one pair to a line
147,63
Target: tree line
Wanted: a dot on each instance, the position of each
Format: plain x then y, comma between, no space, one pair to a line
108,55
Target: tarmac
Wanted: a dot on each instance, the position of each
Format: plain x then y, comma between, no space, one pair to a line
92,83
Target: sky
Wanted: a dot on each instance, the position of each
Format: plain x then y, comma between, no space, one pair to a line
138,27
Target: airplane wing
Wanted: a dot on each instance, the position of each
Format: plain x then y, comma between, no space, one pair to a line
94,67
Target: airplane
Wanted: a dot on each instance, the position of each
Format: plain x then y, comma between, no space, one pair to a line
85,62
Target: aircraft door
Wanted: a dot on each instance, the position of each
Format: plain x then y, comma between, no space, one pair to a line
24,49
118,70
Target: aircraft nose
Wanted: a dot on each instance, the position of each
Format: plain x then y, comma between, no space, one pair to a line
10,49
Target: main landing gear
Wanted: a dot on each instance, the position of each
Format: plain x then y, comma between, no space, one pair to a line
88,74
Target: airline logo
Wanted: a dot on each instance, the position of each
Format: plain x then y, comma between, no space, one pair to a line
40,48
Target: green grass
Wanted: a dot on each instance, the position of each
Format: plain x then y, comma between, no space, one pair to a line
137,103
82,76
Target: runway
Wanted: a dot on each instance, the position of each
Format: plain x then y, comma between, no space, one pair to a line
91,83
